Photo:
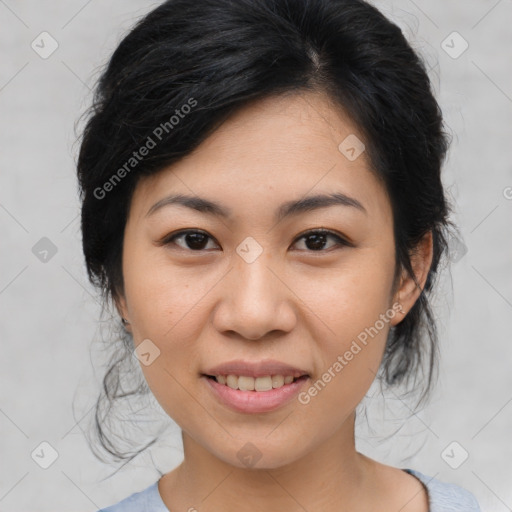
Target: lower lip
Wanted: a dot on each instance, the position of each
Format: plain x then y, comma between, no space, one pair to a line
255,401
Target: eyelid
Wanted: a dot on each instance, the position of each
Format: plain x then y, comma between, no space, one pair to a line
167,239
343,239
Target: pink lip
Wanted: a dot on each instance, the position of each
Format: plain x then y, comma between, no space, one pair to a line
255,369
255,401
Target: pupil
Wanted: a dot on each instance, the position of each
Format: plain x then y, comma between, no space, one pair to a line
320,241
195,240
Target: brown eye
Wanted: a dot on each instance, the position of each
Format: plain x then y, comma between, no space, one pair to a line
193,240
316,240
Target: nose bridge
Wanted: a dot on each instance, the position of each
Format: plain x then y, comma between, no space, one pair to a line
255,277
253,300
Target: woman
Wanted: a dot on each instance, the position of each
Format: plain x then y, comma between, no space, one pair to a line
262,202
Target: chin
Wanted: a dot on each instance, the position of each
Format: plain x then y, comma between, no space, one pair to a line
254,454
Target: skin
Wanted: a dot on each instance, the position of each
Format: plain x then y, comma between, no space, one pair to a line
293,303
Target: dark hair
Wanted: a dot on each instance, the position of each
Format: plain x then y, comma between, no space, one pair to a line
215,56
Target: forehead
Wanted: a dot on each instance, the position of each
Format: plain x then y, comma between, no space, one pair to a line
270,151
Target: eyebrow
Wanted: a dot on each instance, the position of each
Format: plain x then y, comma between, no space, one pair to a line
287,209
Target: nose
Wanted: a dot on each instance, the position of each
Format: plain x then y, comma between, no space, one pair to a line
254,299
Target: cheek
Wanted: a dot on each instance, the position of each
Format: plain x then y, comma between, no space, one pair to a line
347,299
164,307
163,303
351,321
162,296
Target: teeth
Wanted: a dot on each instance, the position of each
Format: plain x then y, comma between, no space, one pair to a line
278,381
245,383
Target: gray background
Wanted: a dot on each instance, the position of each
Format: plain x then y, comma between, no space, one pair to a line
49,326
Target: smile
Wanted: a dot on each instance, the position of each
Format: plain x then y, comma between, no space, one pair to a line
246,400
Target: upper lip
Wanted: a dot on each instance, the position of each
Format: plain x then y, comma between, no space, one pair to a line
255,368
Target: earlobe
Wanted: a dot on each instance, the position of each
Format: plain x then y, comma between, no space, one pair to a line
410,289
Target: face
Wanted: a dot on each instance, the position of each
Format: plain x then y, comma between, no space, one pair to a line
207,288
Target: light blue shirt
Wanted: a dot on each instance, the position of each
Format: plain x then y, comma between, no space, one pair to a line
442,497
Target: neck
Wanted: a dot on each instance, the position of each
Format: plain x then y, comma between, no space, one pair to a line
332,477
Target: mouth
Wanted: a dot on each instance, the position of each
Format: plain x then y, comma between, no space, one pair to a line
254,395
254,387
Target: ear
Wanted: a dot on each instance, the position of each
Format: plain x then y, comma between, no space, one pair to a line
408,291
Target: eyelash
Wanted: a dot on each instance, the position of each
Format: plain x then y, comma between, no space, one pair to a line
340,241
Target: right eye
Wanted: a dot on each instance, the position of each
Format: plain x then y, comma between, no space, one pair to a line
191,239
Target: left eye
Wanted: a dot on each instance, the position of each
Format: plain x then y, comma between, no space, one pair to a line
314,240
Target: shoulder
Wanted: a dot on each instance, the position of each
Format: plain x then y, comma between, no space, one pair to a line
445,497
147,500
